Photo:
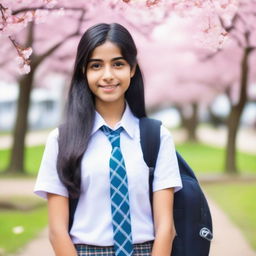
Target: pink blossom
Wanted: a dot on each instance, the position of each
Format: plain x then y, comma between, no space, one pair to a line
150,3
28,16
51,3
41,16
24,69
11,29
19,60
59,12
27,52
57,23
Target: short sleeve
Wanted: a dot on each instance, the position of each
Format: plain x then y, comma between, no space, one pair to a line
166,173
48,180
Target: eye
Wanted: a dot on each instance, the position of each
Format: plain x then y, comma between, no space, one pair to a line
95,66
118,64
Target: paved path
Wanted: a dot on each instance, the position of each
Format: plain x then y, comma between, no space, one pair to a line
246,138
33,138
40,246
228,240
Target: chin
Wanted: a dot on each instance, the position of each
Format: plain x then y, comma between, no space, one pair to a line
110,99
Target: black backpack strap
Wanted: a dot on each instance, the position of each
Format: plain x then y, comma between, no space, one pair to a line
150,144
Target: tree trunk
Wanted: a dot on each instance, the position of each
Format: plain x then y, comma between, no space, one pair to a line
233,124
26,83
16,164
17,153
190,121
215,120
193,123
235,116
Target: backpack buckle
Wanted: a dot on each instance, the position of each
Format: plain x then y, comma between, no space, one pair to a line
206,234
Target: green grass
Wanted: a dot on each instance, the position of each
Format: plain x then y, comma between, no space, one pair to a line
4,158
3,133
32,221
32,159
238,201
209,159
202,158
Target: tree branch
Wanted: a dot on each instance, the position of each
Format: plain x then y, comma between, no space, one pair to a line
231,28
3,9
40,58
22,10
210,56
146,29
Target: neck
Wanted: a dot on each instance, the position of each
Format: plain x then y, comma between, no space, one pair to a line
111,111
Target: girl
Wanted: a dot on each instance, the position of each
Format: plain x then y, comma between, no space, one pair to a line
96,155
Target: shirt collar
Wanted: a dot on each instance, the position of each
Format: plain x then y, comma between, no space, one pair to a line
128,122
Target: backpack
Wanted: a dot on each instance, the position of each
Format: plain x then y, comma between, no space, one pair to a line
192,217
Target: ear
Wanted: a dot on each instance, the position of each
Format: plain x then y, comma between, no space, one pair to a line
133,70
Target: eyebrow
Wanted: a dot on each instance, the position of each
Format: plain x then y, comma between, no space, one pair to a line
114,59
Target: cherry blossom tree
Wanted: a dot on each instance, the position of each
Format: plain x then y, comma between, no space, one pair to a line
205,74
30,37
41,36
242,30
182,78
16,15
235,63
26,26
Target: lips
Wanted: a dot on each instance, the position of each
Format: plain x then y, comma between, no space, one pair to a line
109,86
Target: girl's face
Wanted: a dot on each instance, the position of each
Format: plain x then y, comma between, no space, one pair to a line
108,74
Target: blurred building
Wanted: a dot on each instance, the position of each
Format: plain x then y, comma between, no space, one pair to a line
221,107
45,107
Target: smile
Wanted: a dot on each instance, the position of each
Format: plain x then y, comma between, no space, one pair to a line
109,86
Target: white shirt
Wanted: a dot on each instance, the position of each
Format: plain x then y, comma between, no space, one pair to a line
92,221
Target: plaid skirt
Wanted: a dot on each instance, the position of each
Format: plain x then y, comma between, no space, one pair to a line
143,249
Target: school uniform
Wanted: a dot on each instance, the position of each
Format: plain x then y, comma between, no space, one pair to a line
92,224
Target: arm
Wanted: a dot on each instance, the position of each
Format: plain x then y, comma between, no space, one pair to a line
58,225
163,222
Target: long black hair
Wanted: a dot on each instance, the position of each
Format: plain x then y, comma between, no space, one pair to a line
74,133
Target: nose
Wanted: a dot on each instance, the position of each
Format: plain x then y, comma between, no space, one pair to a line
107,74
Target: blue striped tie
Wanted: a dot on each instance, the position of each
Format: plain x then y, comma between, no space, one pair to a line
120,208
